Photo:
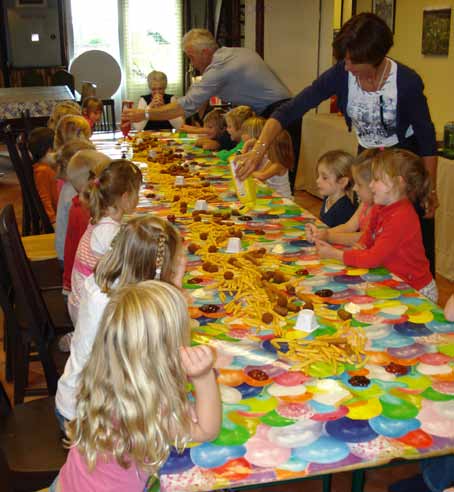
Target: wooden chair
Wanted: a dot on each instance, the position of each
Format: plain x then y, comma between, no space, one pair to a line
32,79
107,122
41,315
35,220
31,451
63,77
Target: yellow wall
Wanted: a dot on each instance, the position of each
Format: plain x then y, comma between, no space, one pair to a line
437,72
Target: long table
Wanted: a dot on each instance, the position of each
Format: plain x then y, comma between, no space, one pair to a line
280,421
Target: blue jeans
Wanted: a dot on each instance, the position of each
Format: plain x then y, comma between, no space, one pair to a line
438,473
61,420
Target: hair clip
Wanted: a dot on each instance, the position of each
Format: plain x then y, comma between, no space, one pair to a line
157,275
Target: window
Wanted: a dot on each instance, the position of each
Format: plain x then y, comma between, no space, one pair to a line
144,35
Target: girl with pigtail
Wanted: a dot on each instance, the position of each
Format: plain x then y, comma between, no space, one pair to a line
145,248
110,196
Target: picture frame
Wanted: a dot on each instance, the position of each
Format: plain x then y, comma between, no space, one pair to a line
386,9
436,31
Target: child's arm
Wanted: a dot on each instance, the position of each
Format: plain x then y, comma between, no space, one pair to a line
193,129
211,144
46,185
198,364
270,170
449,309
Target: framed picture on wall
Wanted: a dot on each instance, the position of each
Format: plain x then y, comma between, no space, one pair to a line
436,28
385,9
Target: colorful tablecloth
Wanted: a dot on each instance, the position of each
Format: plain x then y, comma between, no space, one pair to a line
280,423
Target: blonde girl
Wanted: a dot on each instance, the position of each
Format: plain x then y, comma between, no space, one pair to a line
394,240
62,109
335,182
132,405
114,193
71,127
350,233
67,192
145,248
235,118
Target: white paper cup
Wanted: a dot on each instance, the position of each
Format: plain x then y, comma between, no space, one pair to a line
179,180
201,205
306,321
152,154
234,245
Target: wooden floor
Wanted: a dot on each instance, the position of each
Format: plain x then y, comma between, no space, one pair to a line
377,480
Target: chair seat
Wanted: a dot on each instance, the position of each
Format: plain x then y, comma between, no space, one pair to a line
30,438
48,274
40,247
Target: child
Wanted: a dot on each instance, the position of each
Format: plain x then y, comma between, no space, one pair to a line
394,240
145,248
67,193
132,405
71,127
350,233
235,118
276,165
216,136
334,182
62,109
92,110
82,166
40,144
109,197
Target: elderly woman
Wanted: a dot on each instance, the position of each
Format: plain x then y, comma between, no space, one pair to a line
157,82
380,98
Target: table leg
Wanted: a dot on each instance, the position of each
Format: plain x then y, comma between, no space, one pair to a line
358,479
326,479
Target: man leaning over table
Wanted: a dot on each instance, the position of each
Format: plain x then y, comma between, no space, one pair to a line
236,75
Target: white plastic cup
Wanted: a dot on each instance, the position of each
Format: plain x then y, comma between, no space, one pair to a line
306,321
152,154
179,180
234,245
201,205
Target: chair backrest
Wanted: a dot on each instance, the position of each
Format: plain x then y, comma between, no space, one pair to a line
107,122
40,223
32,79
63,77
29,302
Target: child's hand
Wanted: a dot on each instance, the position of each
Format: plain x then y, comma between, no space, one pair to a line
313,233
325,250
248,145
197,361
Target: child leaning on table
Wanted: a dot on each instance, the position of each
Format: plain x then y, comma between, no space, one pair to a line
394,240
110,196
145,248
132,405
216,137
235,119
67,192
335,182
350,233
40,143
83,166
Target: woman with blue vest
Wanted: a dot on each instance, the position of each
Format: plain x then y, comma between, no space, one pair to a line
380,98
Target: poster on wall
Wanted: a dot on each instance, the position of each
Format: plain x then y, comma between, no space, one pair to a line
436,27
385,9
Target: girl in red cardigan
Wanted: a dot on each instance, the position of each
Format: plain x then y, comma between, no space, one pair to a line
394,240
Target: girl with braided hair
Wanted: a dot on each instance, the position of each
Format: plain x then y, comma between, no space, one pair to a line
145,248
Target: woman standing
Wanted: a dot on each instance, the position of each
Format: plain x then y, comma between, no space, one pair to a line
380,98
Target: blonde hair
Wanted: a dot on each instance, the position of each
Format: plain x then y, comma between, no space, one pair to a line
199,39
237,116
82,165
71,127
362,165
91,104
158,77
65,153
119,177
395,163
132,401
281,150
253,126
339,163
216,118
146,247
62,109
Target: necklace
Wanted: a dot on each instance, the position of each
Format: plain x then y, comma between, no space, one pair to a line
378,86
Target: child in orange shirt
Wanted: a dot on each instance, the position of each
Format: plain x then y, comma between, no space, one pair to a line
40,145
